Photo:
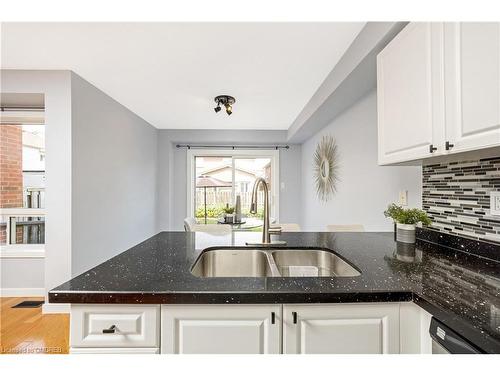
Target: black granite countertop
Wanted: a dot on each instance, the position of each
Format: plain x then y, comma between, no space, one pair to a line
460,289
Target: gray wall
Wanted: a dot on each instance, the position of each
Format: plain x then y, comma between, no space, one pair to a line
22,277
114,164
365,189
172,175
56,86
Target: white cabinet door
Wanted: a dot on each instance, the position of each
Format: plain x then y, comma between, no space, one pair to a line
472,76
360,328
410,94
221,329
414,329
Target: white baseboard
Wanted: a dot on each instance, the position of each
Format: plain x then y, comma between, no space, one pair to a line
56,308
22,292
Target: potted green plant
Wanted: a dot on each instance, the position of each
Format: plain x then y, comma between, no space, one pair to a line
406,220
228,214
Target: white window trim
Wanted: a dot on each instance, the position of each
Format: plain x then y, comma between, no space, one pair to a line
23,251
275,180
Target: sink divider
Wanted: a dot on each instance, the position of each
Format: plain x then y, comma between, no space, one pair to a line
275,272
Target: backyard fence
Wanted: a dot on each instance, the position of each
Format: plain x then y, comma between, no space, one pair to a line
219,198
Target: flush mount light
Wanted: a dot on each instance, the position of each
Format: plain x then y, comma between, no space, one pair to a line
225,100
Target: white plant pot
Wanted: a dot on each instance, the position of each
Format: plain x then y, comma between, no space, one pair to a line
405,233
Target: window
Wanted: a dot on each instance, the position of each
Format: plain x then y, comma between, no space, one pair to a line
217,177
22,204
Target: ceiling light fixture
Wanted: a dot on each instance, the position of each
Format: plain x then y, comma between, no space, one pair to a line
227,101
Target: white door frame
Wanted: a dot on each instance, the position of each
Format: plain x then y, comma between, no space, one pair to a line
250,153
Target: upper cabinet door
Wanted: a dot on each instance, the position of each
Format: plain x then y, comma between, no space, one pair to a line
472,76
410,92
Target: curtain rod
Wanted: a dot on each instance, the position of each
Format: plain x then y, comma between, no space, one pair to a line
263,147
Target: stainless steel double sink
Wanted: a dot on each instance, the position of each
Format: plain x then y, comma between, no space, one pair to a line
271,262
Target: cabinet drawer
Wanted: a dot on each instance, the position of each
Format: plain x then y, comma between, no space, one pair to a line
114,326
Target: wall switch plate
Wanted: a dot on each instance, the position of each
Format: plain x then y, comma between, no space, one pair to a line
495,203
403,198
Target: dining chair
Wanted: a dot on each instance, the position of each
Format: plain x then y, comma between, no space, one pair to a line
190,225
213,228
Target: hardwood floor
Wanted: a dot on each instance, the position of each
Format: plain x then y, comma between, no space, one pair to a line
26,330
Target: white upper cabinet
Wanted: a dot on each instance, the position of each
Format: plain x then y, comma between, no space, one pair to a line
221,329
439,86
356,328
472,76
410,94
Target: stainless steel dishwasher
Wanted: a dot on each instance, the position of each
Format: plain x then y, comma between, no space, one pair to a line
447,341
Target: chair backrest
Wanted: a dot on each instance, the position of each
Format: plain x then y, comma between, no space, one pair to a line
345,228
289,227
189,224
213,228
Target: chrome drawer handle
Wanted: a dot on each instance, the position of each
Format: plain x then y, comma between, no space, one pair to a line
111,329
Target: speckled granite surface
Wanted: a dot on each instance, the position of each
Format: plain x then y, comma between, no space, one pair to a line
460,289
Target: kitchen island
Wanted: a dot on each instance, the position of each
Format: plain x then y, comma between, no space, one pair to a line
460,289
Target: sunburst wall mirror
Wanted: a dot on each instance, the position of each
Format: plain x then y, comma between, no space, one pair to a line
326,168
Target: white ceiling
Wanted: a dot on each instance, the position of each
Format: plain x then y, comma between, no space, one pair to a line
169,73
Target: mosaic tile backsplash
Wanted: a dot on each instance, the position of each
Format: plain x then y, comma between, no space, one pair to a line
456,195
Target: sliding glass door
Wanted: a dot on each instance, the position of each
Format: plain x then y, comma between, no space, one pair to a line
216,178
213,187
246,171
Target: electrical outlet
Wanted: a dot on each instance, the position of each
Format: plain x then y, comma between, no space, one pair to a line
495,203
403,198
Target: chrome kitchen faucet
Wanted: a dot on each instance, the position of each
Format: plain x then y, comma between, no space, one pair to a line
266,229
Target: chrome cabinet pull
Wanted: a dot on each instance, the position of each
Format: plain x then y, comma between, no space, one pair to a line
432,148
448,145
294,314
111,329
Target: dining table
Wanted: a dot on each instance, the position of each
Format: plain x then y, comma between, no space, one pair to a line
246,224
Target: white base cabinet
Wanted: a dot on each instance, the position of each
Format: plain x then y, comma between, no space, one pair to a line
114,328
340,328
414,329
356,328
221,329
